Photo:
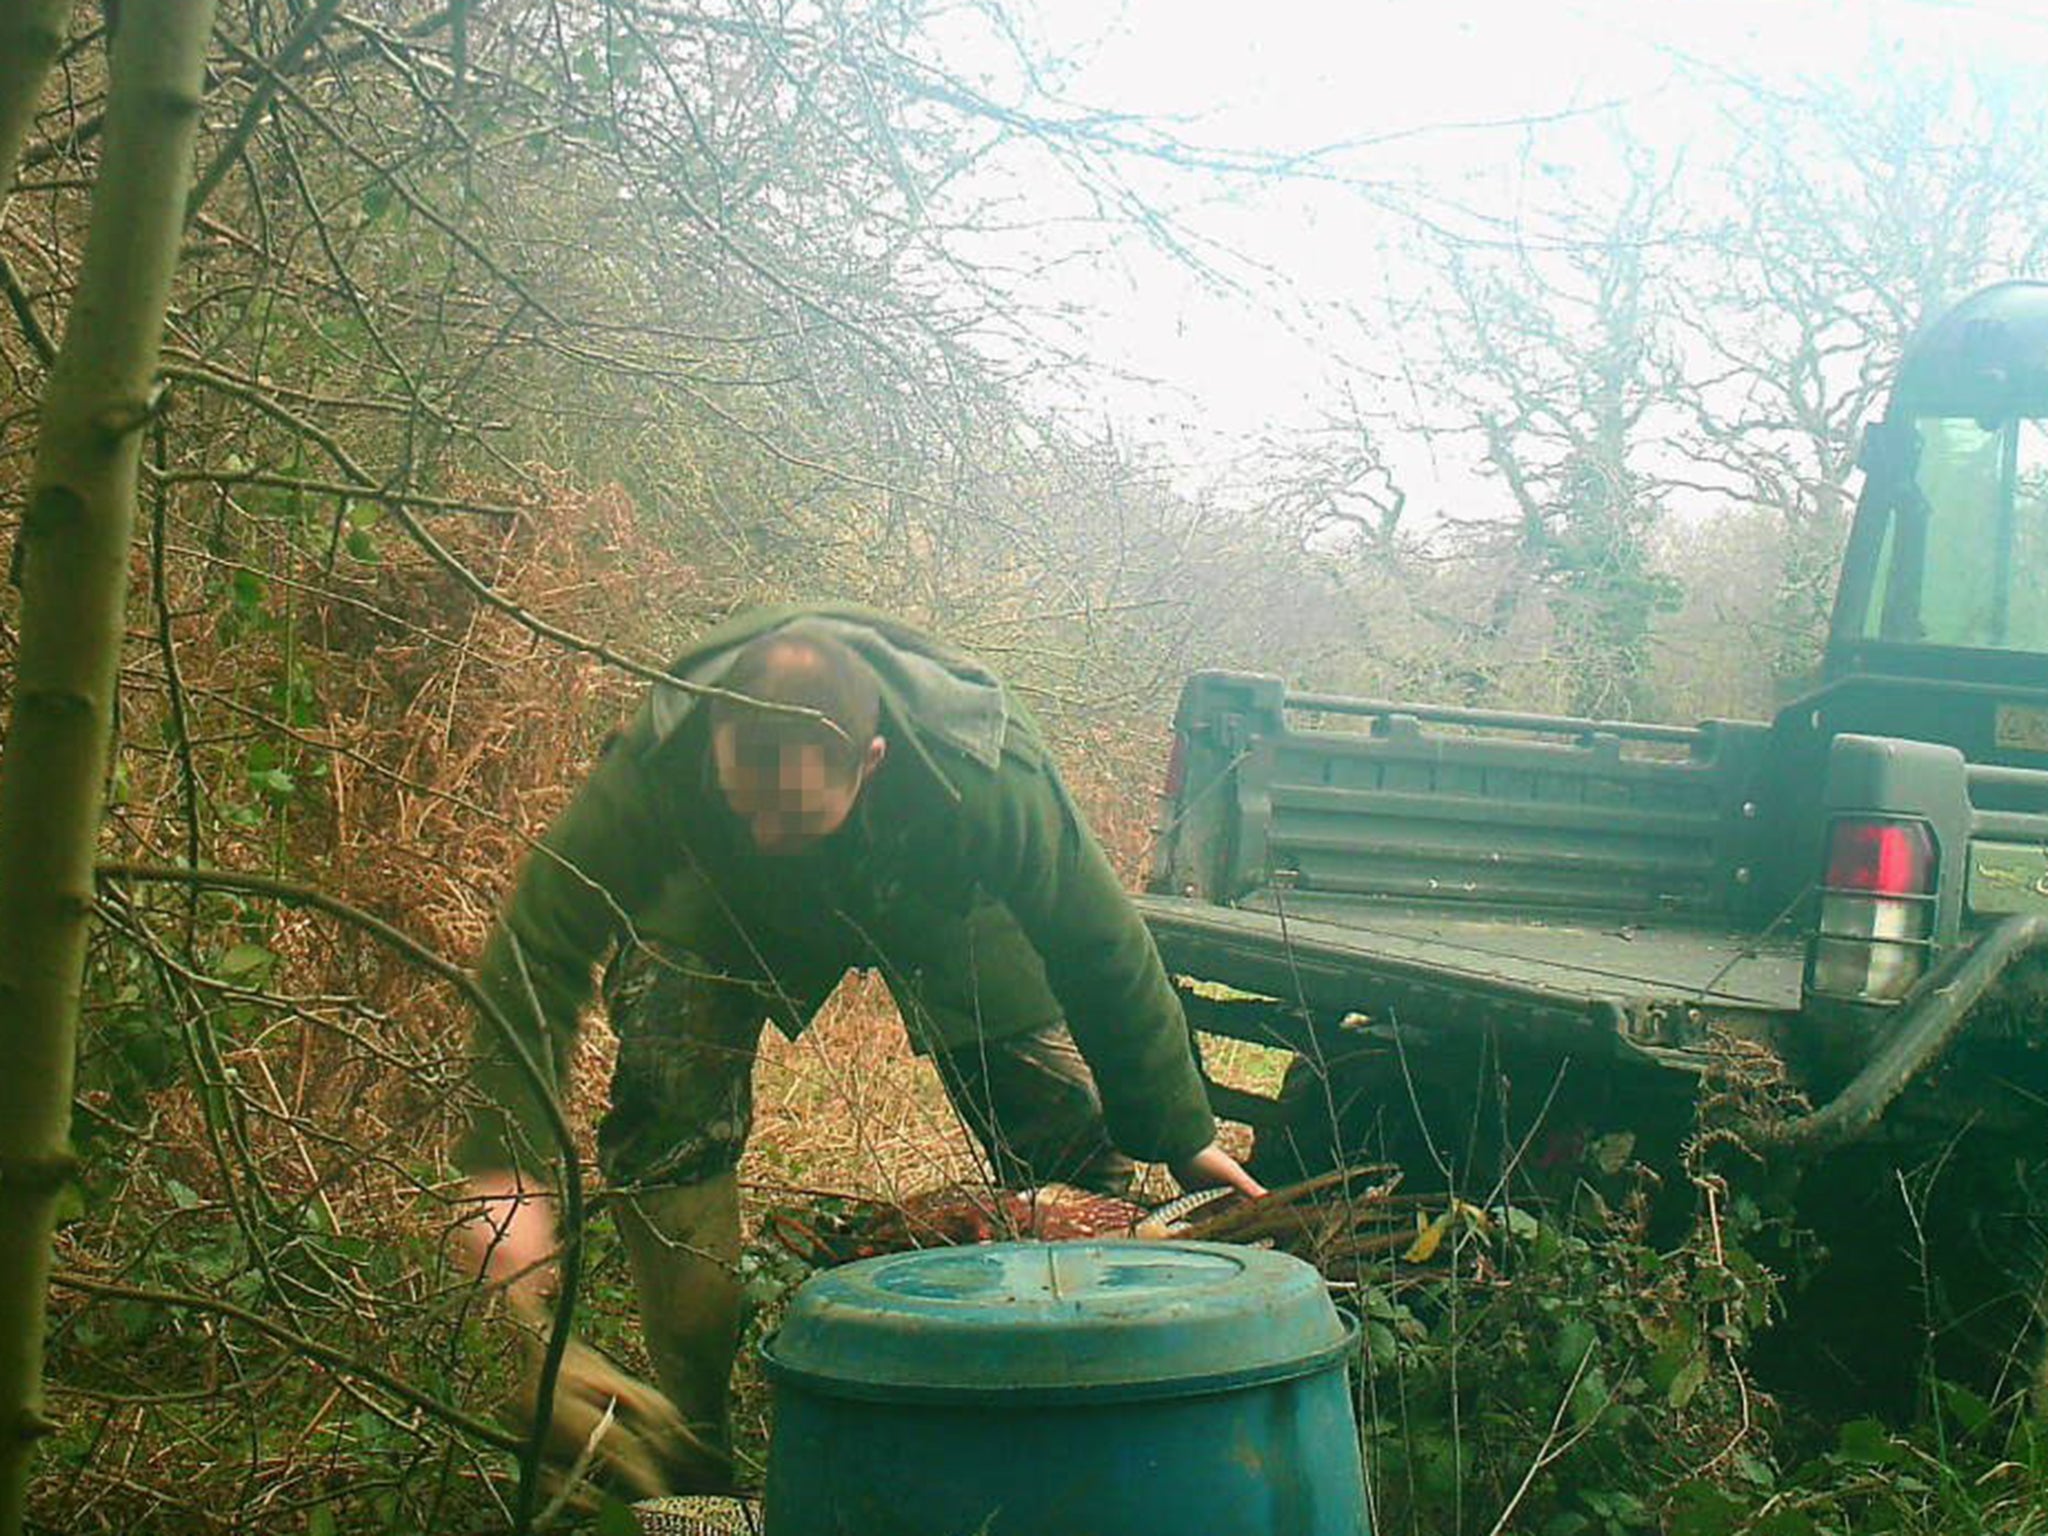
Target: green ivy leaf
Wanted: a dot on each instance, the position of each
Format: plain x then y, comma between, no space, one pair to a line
247,962
1970,1412
1590,1398
1754,1470
1701,1509
1374,1302
274,782
1687,1383
1866,1441
1663,1367
215,1262
1575,1341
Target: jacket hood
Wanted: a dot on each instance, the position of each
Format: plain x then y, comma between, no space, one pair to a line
932,692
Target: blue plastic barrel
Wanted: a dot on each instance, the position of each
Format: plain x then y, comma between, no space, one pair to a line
1115,1388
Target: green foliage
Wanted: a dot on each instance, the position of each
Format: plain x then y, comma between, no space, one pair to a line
1589,1375
1962,1468
1578,1381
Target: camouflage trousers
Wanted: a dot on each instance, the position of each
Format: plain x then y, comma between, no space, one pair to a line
682,1090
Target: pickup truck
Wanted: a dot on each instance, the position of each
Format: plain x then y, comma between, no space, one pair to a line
1493,940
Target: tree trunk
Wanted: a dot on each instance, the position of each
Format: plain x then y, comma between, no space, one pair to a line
76,533
31,32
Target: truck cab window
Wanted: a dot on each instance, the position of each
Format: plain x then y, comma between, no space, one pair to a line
1965,560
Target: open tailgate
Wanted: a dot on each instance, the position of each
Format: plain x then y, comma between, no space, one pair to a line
1647,984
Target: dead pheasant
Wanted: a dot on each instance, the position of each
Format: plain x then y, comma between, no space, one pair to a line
955,1215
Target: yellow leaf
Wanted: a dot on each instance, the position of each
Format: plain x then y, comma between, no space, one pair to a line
1472,1215
1424,1248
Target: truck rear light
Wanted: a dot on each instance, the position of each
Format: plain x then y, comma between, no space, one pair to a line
1886,858
1876,910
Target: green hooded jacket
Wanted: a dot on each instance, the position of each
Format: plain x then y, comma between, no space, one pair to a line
965,875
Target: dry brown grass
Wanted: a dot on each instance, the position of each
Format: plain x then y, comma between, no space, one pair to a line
847,1107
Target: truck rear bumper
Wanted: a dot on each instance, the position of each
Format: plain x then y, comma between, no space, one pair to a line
1914,1039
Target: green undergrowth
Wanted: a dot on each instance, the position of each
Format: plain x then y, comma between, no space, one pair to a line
1571,1379
1547,1369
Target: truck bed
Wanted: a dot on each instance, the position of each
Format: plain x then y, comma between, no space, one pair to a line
1570,881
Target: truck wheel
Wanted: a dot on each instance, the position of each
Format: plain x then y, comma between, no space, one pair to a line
1353,1109
1913,1270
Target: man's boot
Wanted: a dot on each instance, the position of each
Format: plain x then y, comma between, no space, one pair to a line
684,1244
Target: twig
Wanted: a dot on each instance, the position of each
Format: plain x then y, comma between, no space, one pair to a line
573,1479
312,1349
1552,1447
533,1448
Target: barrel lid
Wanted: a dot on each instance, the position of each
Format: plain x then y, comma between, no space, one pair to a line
1111,1317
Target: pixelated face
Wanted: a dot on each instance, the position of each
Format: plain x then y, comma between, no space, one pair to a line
784,792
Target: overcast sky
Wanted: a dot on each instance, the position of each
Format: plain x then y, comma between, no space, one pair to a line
1424,88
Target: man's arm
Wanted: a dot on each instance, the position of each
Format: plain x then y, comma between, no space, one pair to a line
1036,854
600,862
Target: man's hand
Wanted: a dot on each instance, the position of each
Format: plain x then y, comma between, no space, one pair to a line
619,1431
511,1238
1212,1166
644,1448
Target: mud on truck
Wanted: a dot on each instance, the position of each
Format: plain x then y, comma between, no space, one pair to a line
1489,935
